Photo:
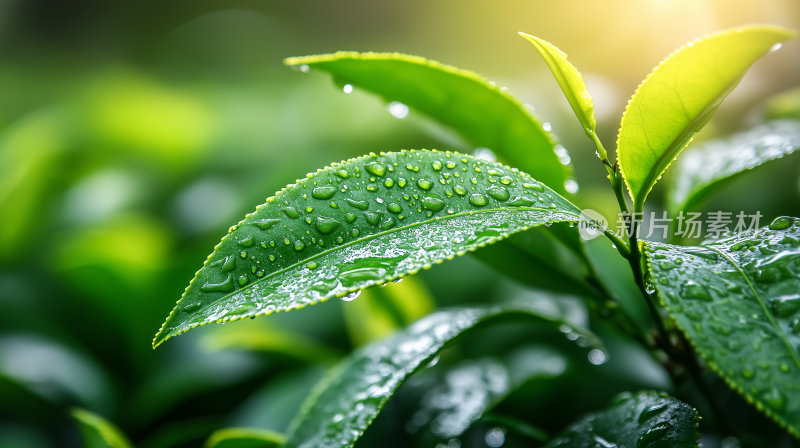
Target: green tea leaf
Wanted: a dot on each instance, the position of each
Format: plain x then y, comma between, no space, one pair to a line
704,168
679,97
344,404
643,420
358,224
98,432
454,398
737,302
570,80
244,438
481,111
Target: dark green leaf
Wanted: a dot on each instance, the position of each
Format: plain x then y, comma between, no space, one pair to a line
244,438
481,111
457,396
737,302
705,167
98,432
344,404
644,420
679,97
358,224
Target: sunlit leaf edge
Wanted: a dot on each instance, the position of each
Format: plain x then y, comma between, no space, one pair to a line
573,91
639,199
562,217
712,364
436,65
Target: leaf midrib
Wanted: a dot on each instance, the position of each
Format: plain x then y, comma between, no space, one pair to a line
761,302
387,232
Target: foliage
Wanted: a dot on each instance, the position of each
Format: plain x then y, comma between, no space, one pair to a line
476,309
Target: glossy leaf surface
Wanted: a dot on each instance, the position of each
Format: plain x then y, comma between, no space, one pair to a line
481,111
643,420
737,302
344,404
457,396
679,97
704,168
570,80
98,432
244,438
358,224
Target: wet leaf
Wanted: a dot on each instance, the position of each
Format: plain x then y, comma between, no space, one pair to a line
679,97
454,398
737,302
358,224
643,420
481,111
244,438
704,168
570,80
98,432
344,404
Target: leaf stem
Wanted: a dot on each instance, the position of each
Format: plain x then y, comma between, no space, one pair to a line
601,151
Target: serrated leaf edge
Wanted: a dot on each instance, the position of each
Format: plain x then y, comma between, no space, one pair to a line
157,342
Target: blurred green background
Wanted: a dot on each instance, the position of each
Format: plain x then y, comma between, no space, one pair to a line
133,134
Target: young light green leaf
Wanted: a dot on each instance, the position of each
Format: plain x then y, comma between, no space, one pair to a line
570,80
358,224
245,438
680,96
344,404
704,168
643,420
736,300
269,340
98,432
484,113
454,398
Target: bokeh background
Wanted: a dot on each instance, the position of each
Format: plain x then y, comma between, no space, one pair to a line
134,133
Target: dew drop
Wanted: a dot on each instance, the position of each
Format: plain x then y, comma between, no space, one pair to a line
461,191
478,200
192,307
389,182
312,265
324,192
348,88
437,165
272,258
692,290
350,218
290,212
781,223
394,208
652,411
432,203
361,205
242,280
326,225
354,233
342,173
375,168
498,192
299,245
265,224
352,296
425,184
401,182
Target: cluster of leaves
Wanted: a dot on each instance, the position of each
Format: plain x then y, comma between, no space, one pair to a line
370,221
